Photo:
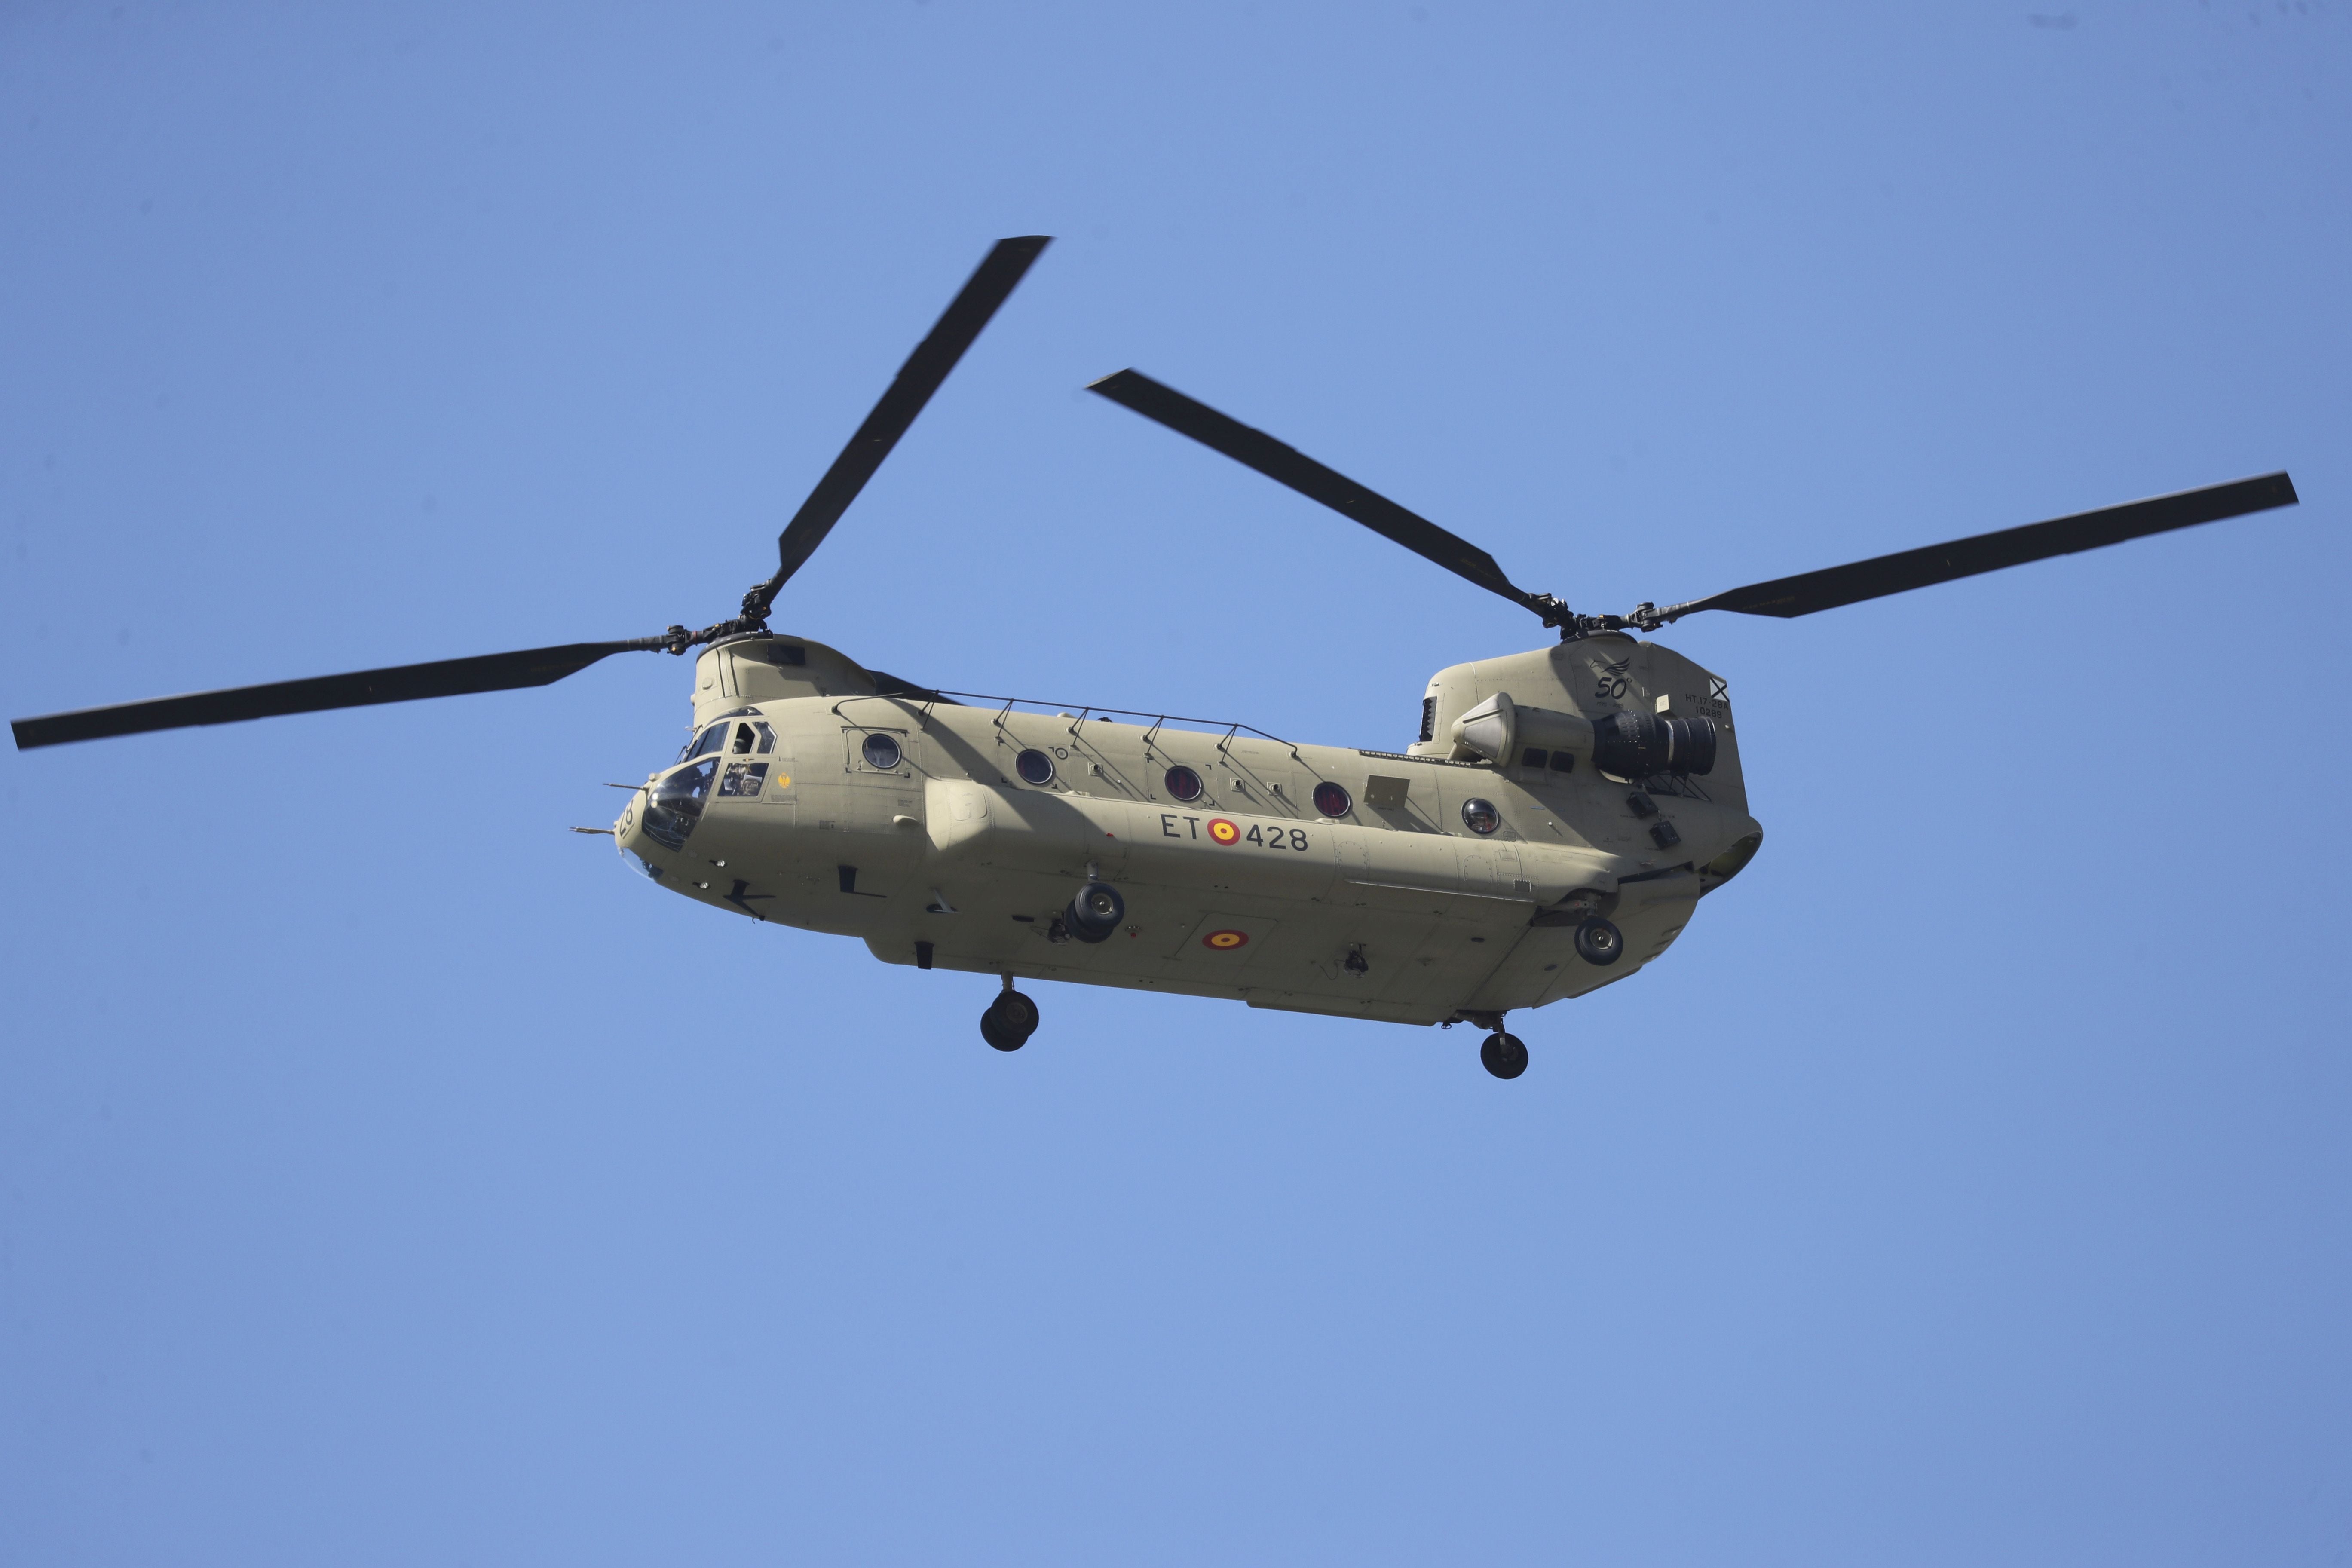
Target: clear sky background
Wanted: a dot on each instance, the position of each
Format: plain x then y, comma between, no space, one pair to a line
388,1177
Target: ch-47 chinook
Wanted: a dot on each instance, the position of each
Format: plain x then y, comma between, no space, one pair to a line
1550,830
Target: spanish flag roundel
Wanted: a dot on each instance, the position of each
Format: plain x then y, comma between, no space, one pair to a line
1225,941
1223,831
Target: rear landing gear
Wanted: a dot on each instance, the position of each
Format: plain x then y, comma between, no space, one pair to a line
1010,1020
1598,942
1504,1055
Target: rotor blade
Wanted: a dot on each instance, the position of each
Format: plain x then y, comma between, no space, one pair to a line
1287,465
1008,261
1835,585
401,683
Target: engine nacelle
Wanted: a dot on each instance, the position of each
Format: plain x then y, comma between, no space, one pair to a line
1635,745
1498,728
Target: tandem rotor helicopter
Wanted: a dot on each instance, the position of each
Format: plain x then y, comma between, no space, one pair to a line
1550,830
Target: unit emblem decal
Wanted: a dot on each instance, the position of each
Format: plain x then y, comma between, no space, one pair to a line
1611,686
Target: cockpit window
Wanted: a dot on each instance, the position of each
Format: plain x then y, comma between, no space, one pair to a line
677,804
744,779
755,736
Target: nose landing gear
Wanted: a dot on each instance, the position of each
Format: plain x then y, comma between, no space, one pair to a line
1010,1020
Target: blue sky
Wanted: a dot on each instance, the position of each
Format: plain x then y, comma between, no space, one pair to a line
387,1176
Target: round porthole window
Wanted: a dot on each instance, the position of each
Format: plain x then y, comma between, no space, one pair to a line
1034,766
1480,815
1331,800
1183,784
881,752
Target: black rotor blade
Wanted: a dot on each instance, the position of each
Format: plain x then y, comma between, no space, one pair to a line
1832,586
401,683
1288,466
1007,261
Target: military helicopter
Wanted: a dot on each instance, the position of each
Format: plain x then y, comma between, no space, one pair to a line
1550,829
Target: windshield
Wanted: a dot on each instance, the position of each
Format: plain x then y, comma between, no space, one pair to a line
677,802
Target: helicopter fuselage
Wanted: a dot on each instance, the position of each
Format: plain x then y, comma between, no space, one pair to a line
1551,830
1434,884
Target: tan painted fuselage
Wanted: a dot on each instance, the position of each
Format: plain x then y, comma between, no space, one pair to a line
1394,909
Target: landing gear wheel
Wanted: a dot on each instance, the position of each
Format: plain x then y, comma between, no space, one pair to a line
1015,1012
1010,1020
1598,942
1504,1055
1096,914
